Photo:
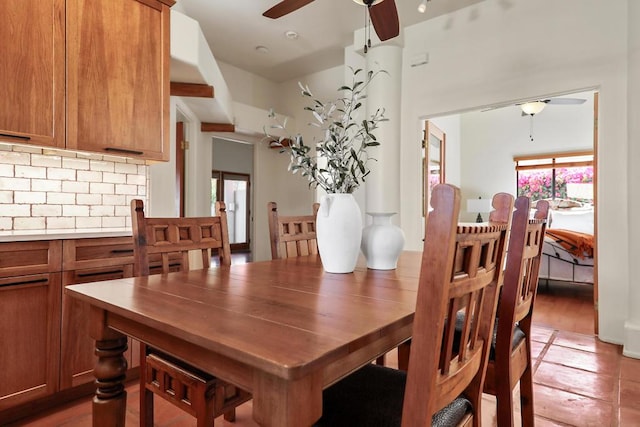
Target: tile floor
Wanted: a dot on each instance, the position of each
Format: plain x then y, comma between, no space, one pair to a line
578,380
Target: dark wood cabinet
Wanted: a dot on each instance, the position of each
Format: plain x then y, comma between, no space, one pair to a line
88,75
30,287
32,72
89,260
118,77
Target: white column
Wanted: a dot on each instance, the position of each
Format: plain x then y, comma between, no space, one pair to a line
383,183
632,325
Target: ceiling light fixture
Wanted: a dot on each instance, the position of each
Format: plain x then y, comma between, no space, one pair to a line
262,49
532,108
422,7
367,2
291,35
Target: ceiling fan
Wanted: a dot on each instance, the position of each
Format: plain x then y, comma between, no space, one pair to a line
383,13
533,107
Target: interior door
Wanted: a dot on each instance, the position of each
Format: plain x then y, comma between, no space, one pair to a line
180,148
233,189
433,156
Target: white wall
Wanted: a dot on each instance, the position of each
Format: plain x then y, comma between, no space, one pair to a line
483,56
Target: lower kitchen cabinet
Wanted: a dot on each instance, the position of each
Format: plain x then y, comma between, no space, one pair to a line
30,289
46,347
89,260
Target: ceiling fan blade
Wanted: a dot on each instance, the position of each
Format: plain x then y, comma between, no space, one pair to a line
285,7
384,17
565,101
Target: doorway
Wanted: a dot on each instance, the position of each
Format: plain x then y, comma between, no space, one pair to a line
233,189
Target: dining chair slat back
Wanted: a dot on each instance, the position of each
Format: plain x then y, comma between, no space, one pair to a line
511,359
162,245
461,270
292,235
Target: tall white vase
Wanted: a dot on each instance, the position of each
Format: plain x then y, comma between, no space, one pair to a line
339,232
382,242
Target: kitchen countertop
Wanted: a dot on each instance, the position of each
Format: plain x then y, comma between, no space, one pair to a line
62,234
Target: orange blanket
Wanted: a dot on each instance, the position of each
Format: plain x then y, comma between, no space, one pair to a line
578,244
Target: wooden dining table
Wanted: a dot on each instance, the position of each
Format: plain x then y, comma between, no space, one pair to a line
283,330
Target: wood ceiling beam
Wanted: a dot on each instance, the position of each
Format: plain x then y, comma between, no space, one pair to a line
217,127
195,90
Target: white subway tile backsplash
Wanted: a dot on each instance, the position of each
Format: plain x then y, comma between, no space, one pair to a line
30,172
113,222
7,170
29,197
126,189
88,222
27,149
126,168
61,198
75,210
89,199
62,174
114,178
58,189
13,209
75,163
6,197
101,210
61,222
101,188
47,185
122,210
89,176
102,166
46,210
15,183
114,199
46,161
14,158
6,223
29,223
75,187
136,179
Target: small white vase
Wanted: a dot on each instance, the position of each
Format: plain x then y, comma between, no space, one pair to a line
382,242
339,232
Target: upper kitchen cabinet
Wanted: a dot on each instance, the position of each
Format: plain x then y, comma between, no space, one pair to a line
118,77
116,91
32,72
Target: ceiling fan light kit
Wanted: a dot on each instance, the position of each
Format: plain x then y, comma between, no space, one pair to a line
532,108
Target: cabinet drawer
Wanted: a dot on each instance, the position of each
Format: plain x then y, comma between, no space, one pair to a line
97,253
25,258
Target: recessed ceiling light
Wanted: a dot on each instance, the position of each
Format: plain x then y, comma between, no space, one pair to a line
291,35
262,49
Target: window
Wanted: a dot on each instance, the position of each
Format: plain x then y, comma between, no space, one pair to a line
567,176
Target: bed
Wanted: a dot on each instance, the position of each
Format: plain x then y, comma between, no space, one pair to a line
567,253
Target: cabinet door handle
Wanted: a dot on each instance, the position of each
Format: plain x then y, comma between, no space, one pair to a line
8,135
124,151
122,251
25,282
101,273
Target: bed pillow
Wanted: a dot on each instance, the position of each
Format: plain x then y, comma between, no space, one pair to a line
576,220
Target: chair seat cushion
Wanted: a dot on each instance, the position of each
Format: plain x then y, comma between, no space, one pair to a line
373,397
518,335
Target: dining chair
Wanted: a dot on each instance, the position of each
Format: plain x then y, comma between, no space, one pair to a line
171,239
460,272
292,235
510,356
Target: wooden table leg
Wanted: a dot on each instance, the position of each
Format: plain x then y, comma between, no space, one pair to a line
281,403
109,403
